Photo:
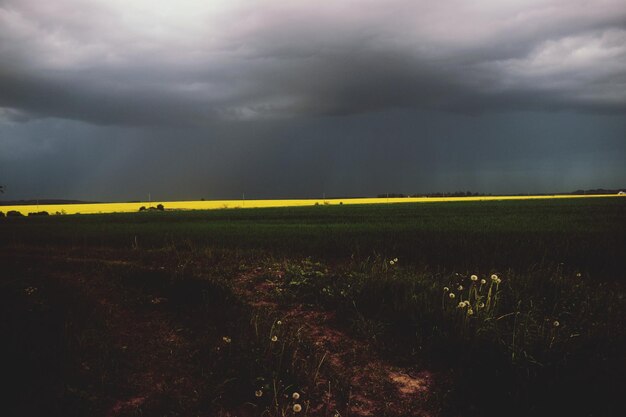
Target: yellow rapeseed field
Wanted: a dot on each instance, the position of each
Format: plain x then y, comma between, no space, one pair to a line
95,208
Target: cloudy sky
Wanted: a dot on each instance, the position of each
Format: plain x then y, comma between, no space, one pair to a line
115,99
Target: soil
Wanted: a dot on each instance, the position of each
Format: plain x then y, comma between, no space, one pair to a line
155,351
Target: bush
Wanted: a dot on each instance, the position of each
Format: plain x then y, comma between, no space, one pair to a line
160,207
39,213
14,213
142,208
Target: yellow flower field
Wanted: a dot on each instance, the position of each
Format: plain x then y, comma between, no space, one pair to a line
95,208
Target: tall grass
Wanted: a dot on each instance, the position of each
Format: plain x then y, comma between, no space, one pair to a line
535,342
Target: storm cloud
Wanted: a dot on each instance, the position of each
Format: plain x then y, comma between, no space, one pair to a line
112,99
193,62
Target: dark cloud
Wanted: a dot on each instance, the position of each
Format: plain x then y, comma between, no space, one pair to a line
357,155
147,63
114,99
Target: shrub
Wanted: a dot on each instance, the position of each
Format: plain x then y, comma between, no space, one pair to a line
38,213
142,208
14,213
160,207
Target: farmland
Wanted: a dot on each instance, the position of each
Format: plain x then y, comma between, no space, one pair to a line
102,208
340,309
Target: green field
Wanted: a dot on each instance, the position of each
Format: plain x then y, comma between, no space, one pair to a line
548,340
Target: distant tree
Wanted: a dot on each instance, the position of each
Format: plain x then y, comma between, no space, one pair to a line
160,207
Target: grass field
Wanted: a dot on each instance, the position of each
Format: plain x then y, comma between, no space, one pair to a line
364,309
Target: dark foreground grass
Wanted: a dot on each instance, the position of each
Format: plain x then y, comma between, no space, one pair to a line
542,342
99,338
548,340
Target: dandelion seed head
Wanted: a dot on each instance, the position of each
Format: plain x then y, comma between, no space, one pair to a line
556,323
297,408
460,288
481,305
258,393
295,395
470,312
391,262
474,278
279,322
226,339
274,338
451,295
395,259
494,277
483,281
446,289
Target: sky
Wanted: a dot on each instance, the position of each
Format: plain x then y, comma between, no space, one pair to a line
109,100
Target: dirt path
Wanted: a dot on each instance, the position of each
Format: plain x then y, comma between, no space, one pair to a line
152,348
377,388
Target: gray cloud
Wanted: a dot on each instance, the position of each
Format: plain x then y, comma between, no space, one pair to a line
356,155
148,63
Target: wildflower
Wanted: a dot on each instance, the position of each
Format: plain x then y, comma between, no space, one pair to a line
461,304
279,322
226,339
483,281
474,278
470,312
494,277
274,338
395,259
556,323
460,288
391,262
446,289
297,408
295,395
451,295
30,290
481,305
258,393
